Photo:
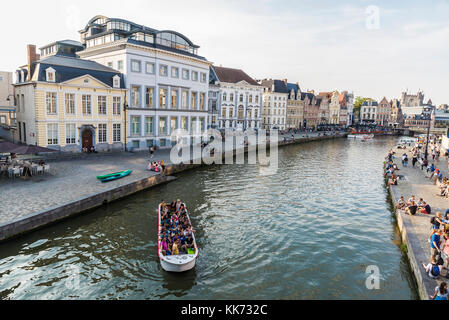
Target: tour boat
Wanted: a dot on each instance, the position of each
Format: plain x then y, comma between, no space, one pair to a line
178,263
114,176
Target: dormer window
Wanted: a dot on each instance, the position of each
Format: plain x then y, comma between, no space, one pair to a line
116,81
50,74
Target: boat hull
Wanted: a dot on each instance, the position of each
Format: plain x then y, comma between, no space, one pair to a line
113,174
116,177
177,265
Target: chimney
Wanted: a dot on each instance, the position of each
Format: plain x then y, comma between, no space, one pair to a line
31,57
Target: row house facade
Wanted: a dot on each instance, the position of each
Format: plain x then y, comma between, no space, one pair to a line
323,116
311,109
396,117
67,104
167,81
383,113
295,107
343,111
334,108
368,111
274,107
240,99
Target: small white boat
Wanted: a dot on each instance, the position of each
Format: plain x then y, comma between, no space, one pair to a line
367,137
361,136
176,263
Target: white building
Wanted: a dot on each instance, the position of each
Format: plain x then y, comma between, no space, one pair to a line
368,111
167,81
241,97
214,100
274,112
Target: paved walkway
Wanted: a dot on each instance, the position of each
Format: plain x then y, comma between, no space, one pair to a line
415,183
73,179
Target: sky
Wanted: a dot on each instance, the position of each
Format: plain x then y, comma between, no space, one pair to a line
373,48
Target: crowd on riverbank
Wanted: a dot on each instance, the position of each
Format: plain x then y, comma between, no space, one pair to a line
439,224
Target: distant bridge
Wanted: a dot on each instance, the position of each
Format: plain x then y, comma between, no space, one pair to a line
411,131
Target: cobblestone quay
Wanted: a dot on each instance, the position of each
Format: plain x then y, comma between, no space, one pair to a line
415,229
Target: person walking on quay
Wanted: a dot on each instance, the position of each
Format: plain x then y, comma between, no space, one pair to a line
441,292
414,159
404,160
435,244
424,164
151,152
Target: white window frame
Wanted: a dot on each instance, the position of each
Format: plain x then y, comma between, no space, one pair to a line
90,104
53,131
138,105
114,132
50,72
104,99
102,133
150,64
188,74
139,63
55,102
116,81
72,138
115,107
161,67
74,103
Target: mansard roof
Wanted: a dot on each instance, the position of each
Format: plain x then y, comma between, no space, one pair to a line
68,68
279,85
233,75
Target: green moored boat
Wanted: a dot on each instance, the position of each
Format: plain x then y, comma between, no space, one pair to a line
114,176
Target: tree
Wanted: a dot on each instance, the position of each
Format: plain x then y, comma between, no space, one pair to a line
358,102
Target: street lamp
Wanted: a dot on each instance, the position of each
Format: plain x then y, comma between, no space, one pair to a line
428,111
125,108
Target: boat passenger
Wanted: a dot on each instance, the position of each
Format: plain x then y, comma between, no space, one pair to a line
175,248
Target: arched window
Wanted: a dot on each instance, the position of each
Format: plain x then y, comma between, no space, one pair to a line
250,98
240,113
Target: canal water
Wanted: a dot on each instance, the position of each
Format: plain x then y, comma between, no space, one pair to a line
308,232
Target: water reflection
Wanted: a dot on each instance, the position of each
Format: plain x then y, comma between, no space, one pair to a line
309,232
